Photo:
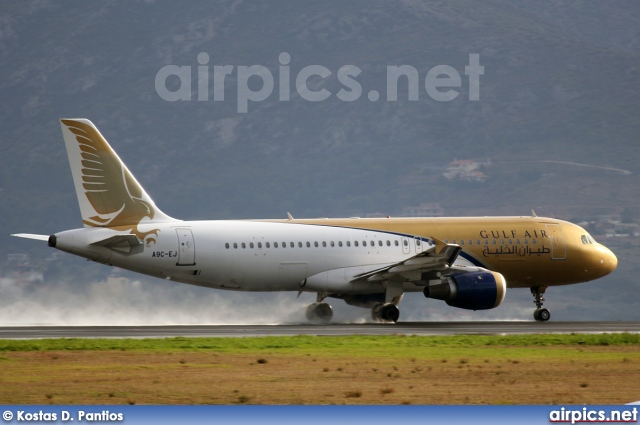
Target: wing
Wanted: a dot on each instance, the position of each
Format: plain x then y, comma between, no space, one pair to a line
103,177
438,256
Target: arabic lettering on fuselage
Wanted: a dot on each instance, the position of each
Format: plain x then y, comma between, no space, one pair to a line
518,250
521,250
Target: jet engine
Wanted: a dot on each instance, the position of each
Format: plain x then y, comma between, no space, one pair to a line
482,290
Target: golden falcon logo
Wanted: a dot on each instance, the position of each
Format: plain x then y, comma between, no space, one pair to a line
112,191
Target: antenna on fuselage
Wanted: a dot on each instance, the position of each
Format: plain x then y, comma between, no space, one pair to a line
290,216
533,213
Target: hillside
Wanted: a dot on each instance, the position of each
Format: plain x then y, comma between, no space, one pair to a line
560,83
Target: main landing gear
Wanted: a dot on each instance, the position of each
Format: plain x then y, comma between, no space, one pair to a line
540,314
384,307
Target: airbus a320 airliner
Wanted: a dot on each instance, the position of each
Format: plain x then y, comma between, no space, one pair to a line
467,262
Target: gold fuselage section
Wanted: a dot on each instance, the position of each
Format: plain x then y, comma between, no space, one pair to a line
527,251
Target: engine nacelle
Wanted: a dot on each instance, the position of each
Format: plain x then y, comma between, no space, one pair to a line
482,290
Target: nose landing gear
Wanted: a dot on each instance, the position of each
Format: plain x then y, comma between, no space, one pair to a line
540,314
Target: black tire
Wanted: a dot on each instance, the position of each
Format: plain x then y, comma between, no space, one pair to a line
390,313
541,314
319,313
385,313
544,315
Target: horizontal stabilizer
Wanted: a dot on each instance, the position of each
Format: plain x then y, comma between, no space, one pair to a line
31,236
124,244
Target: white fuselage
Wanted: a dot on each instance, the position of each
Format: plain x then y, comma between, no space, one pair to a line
256,256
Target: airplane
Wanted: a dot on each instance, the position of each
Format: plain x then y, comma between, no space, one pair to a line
467,262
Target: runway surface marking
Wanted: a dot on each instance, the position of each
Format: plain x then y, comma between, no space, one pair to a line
411,328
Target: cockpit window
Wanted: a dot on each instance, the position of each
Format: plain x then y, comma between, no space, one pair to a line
584,239
590,239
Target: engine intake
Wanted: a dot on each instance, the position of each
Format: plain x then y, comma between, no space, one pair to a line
472,291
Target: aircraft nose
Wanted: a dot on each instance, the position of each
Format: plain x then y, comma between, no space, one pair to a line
611,261
607,260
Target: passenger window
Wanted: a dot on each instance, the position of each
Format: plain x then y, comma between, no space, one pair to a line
372,243
493,241
251,245
235,245
348,243
340,244
275,244
526,241
308,244
364,243
533,241
388,243
267,244
332,244
324,244
259,244
517,241
486,241
315,244
461,242
379,243
510,242
454,242
396,243
243,245
299,244
501,241
355,243
226,245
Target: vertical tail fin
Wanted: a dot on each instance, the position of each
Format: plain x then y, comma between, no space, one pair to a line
108,194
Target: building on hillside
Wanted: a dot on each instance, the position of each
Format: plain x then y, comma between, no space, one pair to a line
432,209
465,170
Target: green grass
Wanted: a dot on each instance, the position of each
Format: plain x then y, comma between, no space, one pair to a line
338,345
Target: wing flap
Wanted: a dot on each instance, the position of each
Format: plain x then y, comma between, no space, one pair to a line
439,256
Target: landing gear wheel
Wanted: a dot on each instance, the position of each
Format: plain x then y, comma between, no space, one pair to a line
386,313
319,313
541,314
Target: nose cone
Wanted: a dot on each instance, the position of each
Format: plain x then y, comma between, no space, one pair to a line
610,260
606,261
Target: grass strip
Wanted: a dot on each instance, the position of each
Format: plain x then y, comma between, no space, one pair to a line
299,344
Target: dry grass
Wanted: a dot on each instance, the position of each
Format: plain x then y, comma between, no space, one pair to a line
529,375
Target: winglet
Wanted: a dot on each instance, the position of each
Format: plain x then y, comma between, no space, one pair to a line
449,251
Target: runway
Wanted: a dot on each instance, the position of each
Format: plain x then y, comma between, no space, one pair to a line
410,328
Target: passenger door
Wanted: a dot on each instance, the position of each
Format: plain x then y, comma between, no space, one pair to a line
186,247
558,246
